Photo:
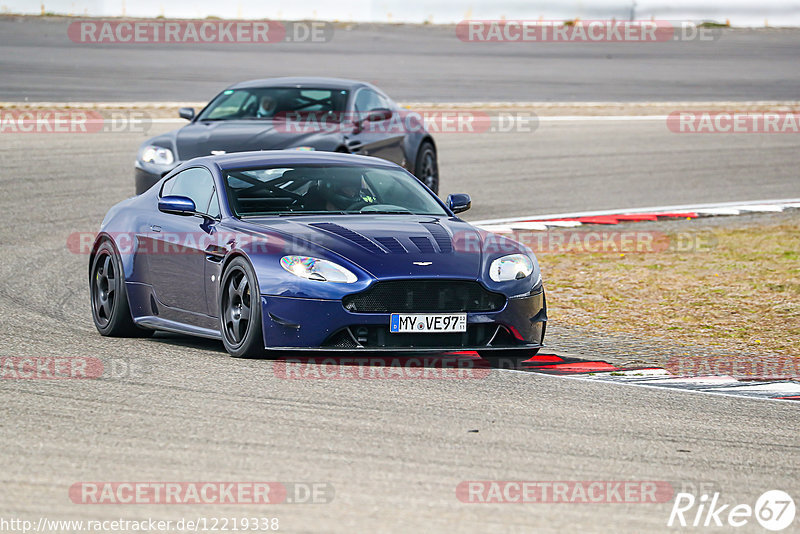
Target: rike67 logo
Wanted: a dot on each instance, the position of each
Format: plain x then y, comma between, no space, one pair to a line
774,510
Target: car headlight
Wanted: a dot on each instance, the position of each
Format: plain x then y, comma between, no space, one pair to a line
158,155
316,269
511,267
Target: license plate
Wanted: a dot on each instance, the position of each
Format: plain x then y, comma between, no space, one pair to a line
422,323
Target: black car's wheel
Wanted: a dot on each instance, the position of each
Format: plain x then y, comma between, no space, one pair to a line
240,311
507,359
110,310
427,167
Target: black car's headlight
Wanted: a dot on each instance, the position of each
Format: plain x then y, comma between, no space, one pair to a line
511,267
317,269
158,155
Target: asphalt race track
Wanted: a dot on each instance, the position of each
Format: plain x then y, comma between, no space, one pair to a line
393,450
411,63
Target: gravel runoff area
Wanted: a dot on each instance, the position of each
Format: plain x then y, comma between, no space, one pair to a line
634,338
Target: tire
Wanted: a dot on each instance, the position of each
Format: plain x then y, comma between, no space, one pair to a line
240,311
110,310
507,359
426,168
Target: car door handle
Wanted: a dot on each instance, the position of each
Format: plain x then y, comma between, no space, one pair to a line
155,227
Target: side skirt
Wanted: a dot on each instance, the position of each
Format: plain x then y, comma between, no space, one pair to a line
158,323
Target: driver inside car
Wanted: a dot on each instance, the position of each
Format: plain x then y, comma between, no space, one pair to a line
266,107
346,191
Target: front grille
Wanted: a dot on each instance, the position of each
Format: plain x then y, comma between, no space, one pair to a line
341,340
425,296
379,337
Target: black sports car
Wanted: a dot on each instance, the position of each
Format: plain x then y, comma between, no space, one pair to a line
309,113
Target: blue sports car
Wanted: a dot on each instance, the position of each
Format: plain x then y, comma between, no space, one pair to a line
287,250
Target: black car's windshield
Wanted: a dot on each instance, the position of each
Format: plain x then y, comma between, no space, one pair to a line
269,102
328,190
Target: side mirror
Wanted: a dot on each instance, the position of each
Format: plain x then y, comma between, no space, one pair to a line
376,115
186,113
177,205
380,114
459,202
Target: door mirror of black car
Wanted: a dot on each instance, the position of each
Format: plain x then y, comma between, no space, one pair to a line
459,202
177,205
186,113
380,114
376,115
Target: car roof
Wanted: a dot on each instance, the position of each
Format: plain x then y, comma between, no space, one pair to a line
269,158
302,81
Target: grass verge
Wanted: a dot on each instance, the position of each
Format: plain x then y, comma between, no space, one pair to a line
738,292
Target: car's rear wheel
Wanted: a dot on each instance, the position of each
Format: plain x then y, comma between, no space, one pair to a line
507,359
110,310
427,167
240,311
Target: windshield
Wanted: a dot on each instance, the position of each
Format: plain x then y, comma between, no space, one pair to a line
316,189
267,102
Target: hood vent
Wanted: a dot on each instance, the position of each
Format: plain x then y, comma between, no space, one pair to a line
350,235
423,244
441,236
392,245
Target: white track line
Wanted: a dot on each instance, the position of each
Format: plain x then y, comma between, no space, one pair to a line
601,118
706,391
740,205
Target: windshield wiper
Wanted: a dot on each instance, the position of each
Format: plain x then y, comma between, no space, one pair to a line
381,212
288,214
295,213
217,119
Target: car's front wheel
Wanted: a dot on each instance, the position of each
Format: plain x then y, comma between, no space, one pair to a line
427,167
240,311
110,310
507,359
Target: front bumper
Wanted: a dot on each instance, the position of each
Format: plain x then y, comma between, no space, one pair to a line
310,324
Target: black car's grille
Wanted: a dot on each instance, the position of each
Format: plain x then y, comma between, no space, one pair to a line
421,296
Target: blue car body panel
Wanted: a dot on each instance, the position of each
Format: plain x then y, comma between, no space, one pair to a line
173,282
